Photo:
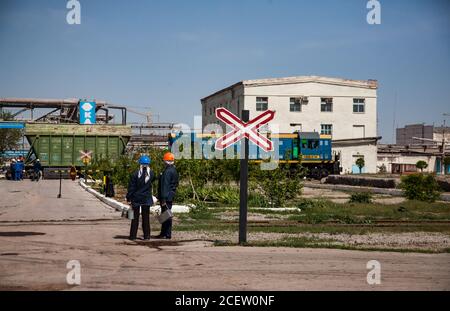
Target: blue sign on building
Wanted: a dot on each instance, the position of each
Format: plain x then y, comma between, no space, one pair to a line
87,112
11,125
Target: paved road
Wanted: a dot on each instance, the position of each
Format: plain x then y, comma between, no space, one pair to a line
39,234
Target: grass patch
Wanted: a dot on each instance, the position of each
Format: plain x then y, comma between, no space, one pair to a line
318,216
360,213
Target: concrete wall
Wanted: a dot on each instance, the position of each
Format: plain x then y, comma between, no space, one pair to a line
404,135
387,159
349,154
232,99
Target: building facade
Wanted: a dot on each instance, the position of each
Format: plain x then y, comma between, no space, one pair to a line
397,159
421,134
345,109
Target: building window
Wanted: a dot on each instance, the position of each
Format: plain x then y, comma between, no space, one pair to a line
326,105
295,105
210,111
359,105
326,129
262,103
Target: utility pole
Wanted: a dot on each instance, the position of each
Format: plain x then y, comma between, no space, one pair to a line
443,143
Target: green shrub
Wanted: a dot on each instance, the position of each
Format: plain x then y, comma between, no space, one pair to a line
309,204
278,185
420,187
361,197
257,200
200,211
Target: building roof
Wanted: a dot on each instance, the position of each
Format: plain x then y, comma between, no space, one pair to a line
370,84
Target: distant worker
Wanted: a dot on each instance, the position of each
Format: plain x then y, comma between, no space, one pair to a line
167,187
13,169
20,166
37,167
140,196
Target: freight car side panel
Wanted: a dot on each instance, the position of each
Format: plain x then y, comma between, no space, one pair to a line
113,147
55,150
102,147
43,150
78,145
67,151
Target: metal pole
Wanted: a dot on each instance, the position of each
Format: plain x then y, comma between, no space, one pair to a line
60,179
244,187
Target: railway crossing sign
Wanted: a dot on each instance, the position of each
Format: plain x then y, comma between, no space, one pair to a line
244,129
85,156
248,130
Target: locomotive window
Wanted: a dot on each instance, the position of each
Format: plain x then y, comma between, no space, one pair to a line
313,144
304,143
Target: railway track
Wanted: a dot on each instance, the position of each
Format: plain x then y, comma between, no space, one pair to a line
378,223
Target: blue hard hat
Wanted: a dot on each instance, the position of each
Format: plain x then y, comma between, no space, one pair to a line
144,160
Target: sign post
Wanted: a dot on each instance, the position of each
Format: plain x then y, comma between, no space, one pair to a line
85,156
60,181
248,130
243,192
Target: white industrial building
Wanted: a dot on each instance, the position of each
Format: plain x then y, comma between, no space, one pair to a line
345,109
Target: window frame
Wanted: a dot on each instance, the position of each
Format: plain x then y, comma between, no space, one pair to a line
292,102
262,101
329,131
324,102
359,104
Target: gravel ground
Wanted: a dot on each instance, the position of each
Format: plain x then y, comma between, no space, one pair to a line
416,240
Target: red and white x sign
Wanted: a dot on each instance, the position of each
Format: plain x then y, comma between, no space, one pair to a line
85,154
244,129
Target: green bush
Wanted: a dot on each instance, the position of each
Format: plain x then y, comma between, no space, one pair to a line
361,197
420,187
200,211
309,204
257,200
278,185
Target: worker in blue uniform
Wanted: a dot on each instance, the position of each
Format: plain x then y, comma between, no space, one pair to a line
37,167
140,196
167,187
20,166
12,168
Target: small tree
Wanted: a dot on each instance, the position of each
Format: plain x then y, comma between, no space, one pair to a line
9,138
446,163
360,163
421,165
422,187
382,169
278,185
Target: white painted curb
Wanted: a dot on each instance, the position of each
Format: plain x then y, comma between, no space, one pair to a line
124,207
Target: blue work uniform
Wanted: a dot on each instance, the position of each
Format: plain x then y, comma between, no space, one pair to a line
167,187
141,198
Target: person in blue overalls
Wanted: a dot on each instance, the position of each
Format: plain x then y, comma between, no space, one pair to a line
19,169
140,196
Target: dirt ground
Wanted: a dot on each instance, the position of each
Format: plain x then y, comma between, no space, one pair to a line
40,234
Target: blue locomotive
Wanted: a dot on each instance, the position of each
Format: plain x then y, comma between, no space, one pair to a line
308,149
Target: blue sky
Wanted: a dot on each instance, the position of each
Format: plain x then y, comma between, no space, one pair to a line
168,54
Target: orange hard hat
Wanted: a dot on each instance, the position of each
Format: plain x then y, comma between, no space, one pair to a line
169,157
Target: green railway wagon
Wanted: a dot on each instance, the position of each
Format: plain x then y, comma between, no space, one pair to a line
62,145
